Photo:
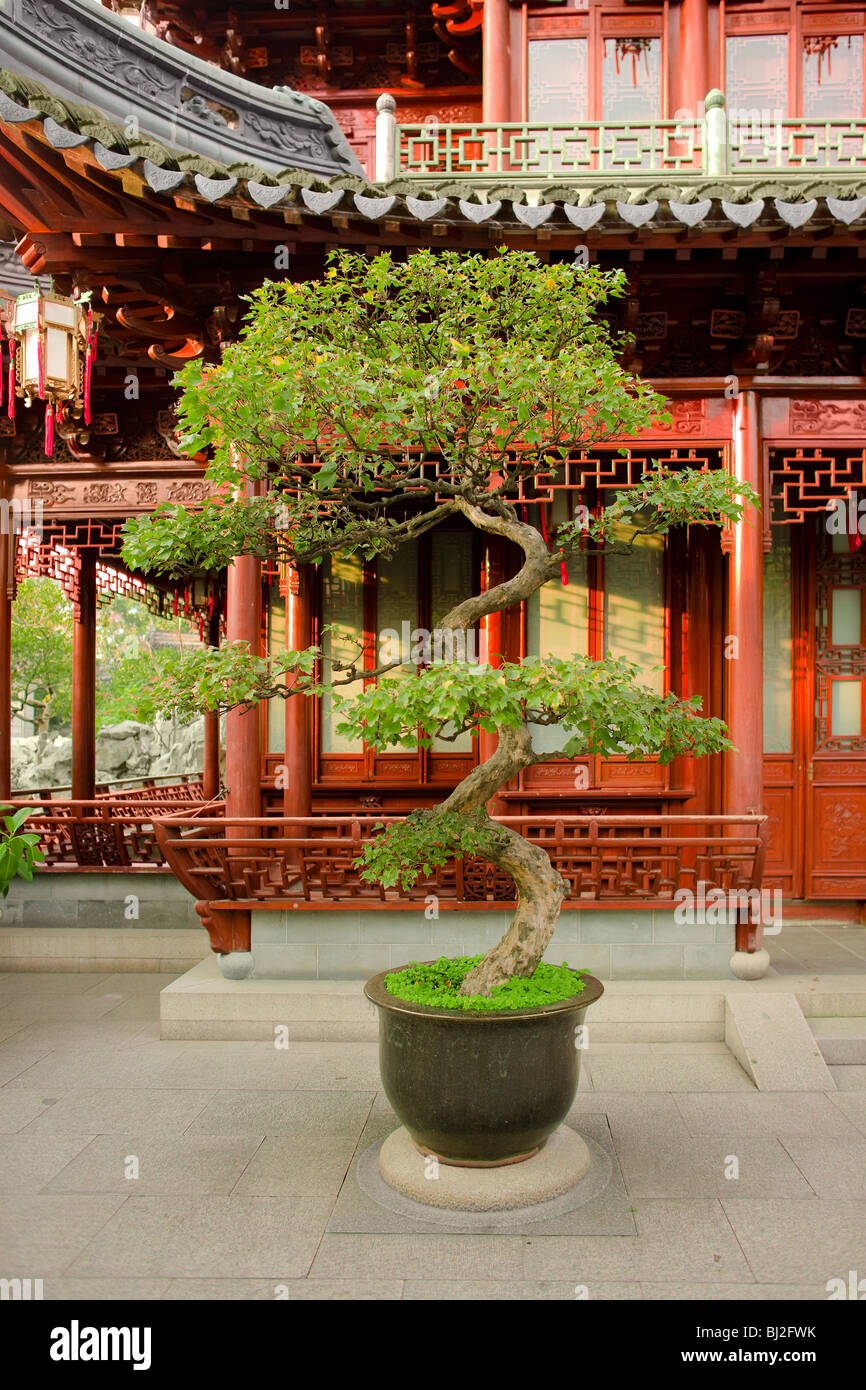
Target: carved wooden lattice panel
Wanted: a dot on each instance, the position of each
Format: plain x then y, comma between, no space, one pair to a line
631,861
803,481
54,551
840,649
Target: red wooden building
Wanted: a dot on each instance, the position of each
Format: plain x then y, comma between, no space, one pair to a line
717,152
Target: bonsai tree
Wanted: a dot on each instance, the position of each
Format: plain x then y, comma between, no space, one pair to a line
362,410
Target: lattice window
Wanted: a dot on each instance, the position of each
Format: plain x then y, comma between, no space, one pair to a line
54,552
756,81
558,84
756,74
832,76
840,649
803,481
631,79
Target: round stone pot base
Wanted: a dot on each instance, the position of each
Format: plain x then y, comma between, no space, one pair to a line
549,1173
477,1162
505,1220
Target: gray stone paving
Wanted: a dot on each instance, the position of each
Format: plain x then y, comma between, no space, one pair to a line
138,1169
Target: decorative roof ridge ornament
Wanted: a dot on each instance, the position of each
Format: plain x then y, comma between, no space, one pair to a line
150,88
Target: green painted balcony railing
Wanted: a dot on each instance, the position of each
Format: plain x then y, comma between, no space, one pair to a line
482,150
794,144
716,143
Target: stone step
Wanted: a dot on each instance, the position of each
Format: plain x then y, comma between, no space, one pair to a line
761,1024
203,1004
101,949
842,1040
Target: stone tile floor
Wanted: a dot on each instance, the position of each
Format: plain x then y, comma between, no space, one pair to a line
831,948
139,1169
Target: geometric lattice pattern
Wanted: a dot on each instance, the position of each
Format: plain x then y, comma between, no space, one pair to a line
604,470
803,481
539,148
608,470
54,551
108,832
610,859
837,663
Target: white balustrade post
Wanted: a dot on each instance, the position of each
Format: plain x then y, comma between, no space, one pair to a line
715,134
386,139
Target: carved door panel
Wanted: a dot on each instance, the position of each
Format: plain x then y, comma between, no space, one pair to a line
836,722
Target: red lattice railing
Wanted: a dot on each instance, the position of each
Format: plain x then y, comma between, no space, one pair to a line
115,831
132,788
612,860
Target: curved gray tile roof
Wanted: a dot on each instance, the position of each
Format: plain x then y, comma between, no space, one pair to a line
86,54
638,206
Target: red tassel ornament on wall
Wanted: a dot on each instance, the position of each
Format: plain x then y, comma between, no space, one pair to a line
10,409
88,365
49,429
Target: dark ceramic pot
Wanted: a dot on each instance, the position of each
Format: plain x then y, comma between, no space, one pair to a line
480,1088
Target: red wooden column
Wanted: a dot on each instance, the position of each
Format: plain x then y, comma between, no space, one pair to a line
243,727
7,551
690,76
84,682
230,931
496,61
298,793
211,761
743,773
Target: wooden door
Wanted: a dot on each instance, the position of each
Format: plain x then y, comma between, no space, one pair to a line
834,719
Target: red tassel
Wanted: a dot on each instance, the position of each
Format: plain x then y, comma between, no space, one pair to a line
10,409
854,541
49,429
88,364
40,360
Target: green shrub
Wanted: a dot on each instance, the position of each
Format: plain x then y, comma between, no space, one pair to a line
437,984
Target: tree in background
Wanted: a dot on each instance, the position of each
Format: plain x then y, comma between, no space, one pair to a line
42,655
127,655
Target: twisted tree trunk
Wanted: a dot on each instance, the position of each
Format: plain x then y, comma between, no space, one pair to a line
540,889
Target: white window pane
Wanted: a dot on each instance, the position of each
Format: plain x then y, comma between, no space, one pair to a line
847,703
833,79
451,581
276,647
342,605
778,645
557,624
846,622
632,79
634,607
557,86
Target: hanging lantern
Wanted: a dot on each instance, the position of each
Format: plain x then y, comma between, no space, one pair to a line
52,343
